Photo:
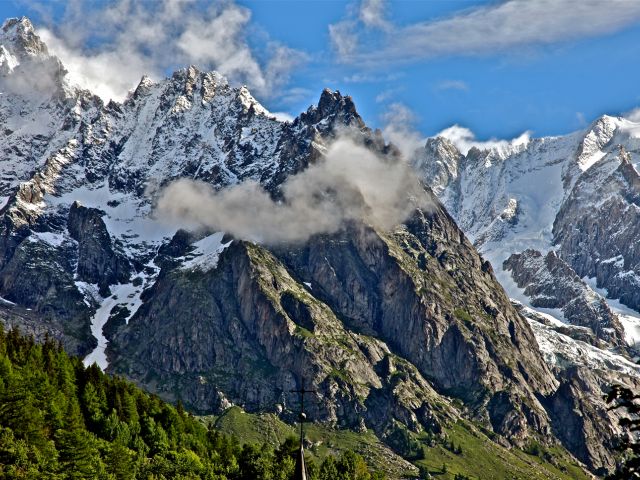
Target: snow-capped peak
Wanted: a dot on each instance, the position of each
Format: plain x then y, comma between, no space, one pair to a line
249,102
465,140
597,136
20,38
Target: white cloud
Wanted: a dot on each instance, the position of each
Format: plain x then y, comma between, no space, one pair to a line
283,116
582,121
372,13
399,129
108,48
633,115
496,28
344,38
349,183
464,139
372,77
388,94
293,97
452,85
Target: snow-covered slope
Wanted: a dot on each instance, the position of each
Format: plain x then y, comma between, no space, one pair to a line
576,195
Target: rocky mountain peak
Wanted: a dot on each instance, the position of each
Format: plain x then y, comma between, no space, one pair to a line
144,87
212,322
599,134
333,108
438,163
443,146
19,36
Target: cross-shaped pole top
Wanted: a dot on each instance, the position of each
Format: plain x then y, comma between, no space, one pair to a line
302,416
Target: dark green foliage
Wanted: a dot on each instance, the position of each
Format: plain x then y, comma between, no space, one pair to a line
405,443
459,476
622,398
60,420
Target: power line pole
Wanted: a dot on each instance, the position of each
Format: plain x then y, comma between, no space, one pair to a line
301,469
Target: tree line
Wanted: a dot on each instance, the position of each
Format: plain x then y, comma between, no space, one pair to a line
61,420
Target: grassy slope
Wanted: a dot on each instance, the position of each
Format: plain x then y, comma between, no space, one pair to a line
481,458
267,428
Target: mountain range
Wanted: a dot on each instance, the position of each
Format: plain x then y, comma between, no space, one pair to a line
406,331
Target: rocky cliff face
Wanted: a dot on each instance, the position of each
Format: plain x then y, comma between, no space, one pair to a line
385,325
550,283
98,263
245,332
597,227
363,305
577,405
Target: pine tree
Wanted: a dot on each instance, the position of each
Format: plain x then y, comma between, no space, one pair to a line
120,462
79,457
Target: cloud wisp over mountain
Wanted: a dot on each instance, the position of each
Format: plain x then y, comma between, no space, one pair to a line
464,140
484,30
108,47
349,183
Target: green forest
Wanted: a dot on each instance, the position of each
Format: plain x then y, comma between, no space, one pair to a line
60,420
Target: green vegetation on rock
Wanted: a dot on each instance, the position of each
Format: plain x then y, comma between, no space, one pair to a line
465,449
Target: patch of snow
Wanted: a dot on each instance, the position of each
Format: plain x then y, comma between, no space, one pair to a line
127,217
629,318
510,212
560,350
125,295
308,284
89,293
554,319
597,136
7,60
248,101
206,253
50,238
586,162
4,300
554,315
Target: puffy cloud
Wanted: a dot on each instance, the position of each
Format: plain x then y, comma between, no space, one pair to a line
349,183
107,48
344,38
464,139
633,115
372,13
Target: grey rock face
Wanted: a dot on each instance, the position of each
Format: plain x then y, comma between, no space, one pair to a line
406,288
581,416
601,241
97,261
247,329
235,334
550,283
439,165
37,278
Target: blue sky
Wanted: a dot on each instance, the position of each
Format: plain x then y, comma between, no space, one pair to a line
548,66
